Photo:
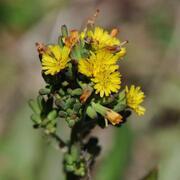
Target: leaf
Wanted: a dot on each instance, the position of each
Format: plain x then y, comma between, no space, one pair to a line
152,175
114,164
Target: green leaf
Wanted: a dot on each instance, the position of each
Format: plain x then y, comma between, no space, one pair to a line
64,31
115,162
34,106
152,175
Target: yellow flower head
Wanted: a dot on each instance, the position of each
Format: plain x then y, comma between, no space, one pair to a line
106,82
134,97
55,59
101,38
101,68
97,61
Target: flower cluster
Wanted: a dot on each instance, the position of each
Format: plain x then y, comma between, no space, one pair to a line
83,83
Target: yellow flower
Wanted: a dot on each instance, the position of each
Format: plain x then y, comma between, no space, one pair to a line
55,59
134,97
92,65
101,38
106,82
102,69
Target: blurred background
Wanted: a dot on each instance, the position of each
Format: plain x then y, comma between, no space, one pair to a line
152,61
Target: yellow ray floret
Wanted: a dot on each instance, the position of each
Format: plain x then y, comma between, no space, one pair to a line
134,97
102,38
106,82
55,59
96,62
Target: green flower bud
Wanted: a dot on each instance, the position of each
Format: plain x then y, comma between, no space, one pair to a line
36,118
52,115
61,92
91,112
65,83
69,102
64,31
44,91
60,103
50,128
80,171
62,114
69,90
71,123
69,111
76,92
69,159
34,106
77,106
69,168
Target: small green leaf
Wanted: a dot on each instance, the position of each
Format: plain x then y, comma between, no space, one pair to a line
64,31
34,106
152,175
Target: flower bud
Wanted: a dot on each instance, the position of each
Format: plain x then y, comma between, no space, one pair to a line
36,118
52,115
44,91
91,112
76,92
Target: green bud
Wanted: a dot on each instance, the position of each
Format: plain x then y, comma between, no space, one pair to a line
76,92
60,103
34,106
52,115
69,159
91,112
45,121
69,90
69,111
80,171
69,102
71,123
36,118
51,128
64,31
62,114
61,92
77,106
69,168
44,91
65,83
